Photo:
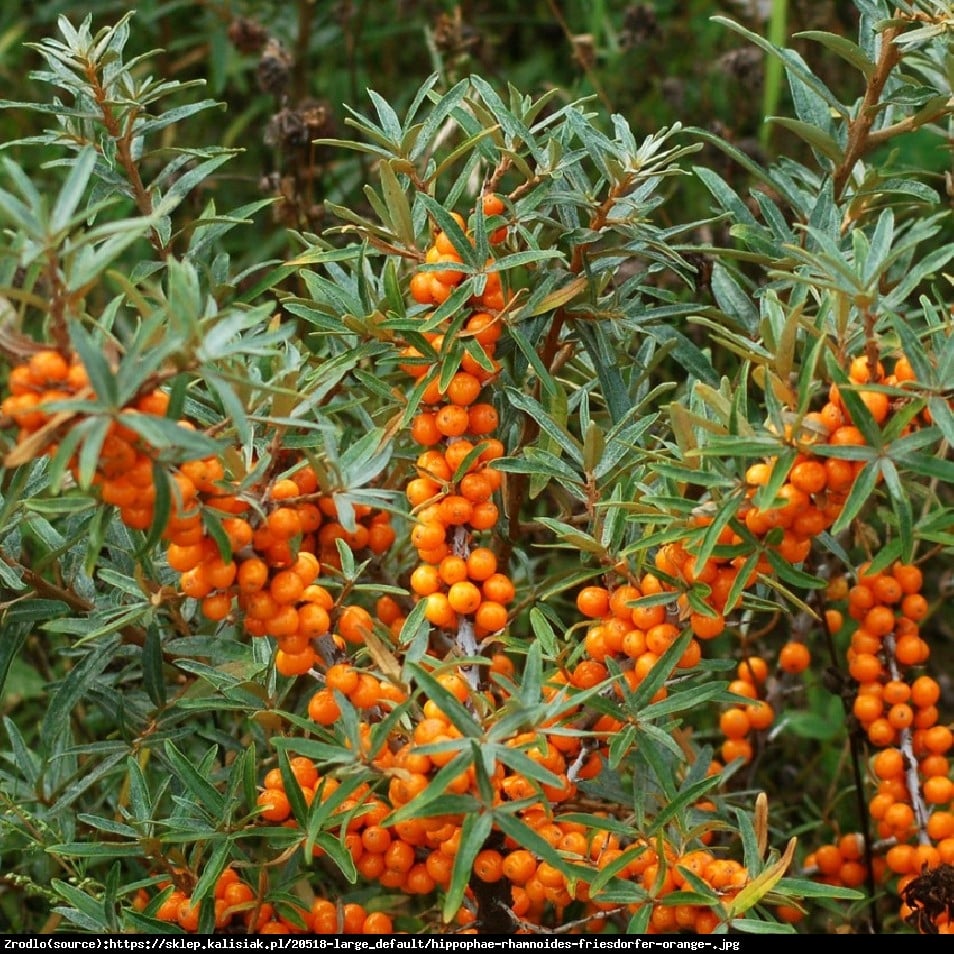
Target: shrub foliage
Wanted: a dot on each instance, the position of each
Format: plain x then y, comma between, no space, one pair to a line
463,537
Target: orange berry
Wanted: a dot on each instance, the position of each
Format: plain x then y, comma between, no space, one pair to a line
734,723
343,677
865,667
867,707
732,749
761,715
286,587
925,691
809,476
464,597
353,623
483,419
593,601
861,371
294,664
937,790
911,650
888,763
915,607
828,859
938,739
499,587
425,579
439,612
940,825
758,474
909,576
794,658
216,606
519,866
274,804
463,389
451,421
481,564
456,510
323,708
48,367
427,535
878,404
753,669
881,733
367,693
484,515
377,922
900,817
284,523
488,865
834,620
742,687
420,490
706,627
900,715
432,463
491,616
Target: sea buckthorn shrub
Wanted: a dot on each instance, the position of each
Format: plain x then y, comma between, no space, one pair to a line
507,557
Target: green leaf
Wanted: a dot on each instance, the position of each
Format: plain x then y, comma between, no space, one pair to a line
475,830
164,434
32,610
538,413
91,354
603,355
86,911
543,632
395,199
815,137
731,297
841,46
140,800
859,495
901,504
185,183
205,794
212,867
25,759
81,167
803,888
74,686
751,926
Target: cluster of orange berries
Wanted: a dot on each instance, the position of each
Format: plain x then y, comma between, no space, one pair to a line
416,856
631,631
237,903
433,286
452,495
125,470
841,862
362,689
46,377
635,630
273,540
888,608
277,552
808,501
895,704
